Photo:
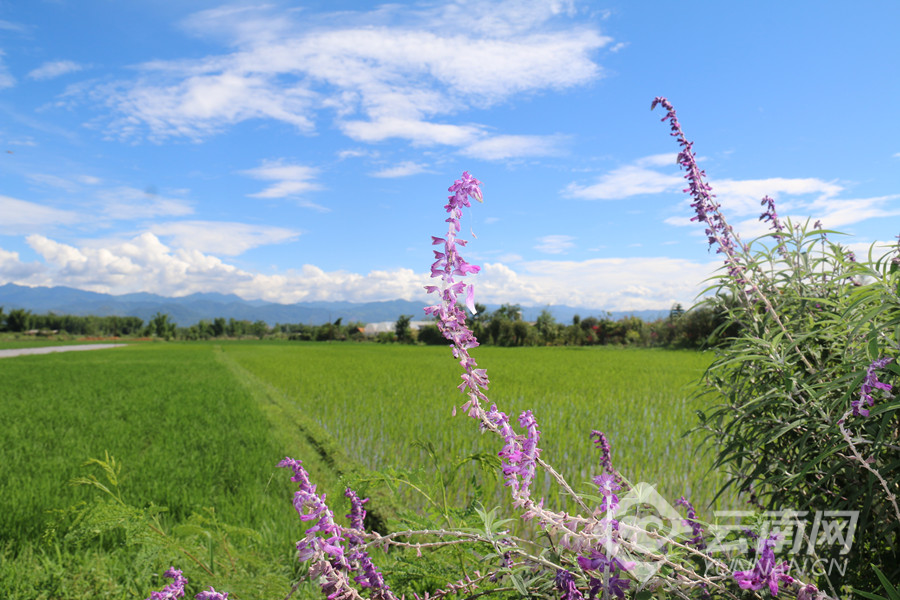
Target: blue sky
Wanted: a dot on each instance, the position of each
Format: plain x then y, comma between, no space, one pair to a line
299,151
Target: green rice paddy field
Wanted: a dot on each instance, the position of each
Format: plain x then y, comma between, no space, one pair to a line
199,427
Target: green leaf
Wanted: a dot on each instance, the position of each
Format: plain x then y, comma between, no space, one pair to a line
892,592
519,584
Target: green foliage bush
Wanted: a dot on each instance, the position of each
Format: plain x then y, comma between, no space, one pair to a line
810,320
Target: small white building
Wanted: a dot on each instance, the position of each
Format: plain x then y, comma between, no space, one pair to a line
373,329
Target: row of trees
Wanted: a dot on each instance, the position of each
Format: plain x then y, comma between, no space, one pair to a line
503,327
20,320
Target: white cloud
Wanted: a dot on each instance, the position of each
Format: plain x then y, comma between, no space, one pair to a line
502,18
419,133
503,147
53,181
798,199
290,181
56,68
21,216
403,169
127,203
630,180
743,197
606,283
667,159
200,105
384,74
12,268
355,153
220,237
838,212
555,244
145,263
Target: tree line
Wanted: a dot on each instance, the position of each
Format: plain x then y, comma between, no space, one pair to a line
695,328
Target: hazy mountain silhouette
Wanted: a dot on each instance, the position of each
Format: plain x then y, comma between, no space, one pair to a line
187,310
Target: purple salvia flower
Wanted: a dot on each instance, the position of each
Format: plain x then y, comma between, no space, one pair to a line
869,383
772,217
608,485
614,586
369,576
172,590
808,592
766,572
357,512
449,266
718,231
323,543
311,506
520,452
530,450
211,594
598,561
696,528
334,582
606,455
565,584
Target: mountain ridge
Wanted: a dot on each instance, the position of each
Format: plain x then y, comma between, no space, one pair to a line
190,309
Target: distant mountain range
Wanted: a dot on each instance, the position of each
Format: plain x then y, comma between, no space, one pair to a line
188,310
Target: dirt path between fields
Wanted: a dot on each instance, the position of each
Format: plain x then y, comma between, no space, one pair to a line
48,349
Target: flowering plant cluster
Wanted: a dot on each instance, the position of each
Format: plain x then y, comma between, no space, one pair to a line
804,416
809,340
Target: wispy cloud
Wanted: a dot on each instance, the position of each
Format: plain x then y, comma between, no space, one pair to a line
6,79
385,73
403,169
290,181
418,132
355,153
126,203
10,26
630,180
504,147
743,197
796,198
220,237
21,216
46,179
555,244
52,69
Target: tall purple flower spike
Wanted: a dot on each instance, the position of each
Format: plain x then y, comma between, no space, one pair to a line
520,452
718,232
